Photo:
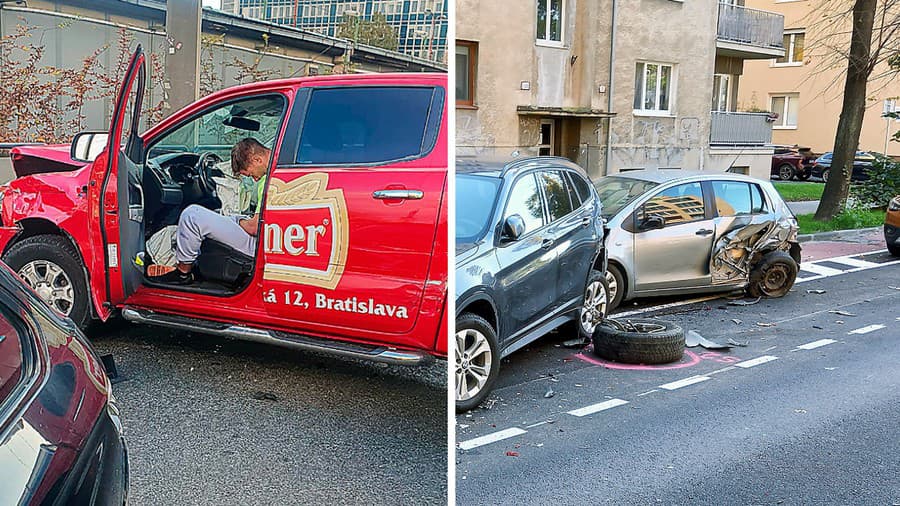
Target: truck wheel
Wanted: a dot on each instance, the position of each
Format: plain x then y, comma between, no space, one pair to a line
639,341
616,282
49,265
477,360
595,306
773,276
786,171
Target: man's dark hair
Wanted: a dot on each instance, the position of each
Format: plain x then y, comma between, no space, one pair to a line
242,151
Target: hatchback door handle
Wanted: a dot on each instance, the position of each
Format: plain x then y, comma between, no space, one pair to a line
398,194
704,231
546,243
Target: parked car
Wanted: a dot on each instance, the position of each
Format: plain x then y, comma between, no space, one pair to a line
352,256
61,436
529,258
821,168
892,226
680,232
789,163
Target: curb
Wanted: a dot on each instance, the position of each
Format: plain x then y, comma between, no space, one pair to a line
836,235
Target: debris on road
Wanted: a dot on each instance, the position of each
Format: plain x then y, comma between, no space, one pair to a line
550,393
512,454
841,313
736,321
578,342
818,292
737,343
817,327
744,302
693,338
839,322
264,396
765,324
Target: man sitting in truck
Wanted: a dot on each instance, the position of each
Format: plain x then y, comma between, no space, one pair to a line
248,158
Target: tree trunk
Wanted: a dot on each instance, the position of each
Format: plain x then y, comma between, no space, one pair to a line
846,138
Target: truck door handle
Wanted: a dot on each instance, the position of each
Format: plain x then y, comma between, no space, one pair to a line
704,231
398,194
546,243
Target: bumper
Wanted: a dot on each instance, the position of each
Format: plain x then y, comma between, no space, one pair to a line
100,474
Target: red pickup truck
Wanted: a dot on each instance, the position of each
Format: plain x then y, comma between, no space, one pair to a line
352,250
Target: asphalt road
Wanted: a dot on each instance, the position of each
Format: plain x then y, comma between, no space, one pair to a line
213,421
807,413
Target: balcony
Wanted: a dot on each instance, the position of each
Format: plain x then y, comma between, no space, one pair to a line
749,34
740,129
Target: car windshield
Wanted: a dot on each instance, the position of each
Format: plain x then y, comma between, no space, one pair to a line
616,192
475,197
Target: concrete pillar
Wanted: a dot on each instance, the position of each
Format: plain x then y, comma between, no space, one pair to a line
183,53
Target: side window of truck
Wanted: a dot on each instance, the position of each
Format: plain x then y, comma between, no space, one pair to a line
369,125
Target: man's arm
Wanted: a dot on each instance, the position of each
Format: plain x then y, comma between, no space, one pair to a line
250,224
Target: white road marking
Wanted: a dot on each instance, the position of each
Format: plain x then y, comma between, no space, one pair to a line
648,392
820,269
683,383
866,330
665,306
854,262
595,408
746,364
491,438
721,370
816,344
535,425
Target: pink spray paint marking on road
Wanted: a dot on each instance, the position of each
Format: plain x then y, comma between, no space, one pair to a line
690,359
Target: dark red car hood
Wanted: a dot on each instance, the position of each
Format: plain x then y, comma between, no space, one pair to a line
27,160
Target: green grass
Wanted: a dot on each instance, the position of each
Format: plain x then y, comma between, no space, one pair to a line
848,220
796,192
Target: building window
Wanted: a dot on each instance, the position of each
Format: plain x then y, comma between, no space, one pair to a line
545,148
466,57
786,107
550,21
653,88
721,91
793,49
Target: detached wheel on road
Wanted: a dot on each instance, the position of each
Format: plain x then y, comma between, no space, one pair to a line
477,360
595,306
639,341
616,282
773,276
49,265
786,172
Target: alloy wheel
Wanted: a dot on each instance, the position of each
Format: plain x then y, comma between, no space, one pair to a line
51,284
612,284
596,301
473,363
786,172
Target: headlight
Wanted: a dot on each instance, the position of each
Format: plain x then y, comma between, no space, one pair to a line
894,205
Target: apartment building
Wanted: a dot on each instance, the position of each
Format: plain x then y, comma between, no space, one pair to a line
805,86
612,85
421,25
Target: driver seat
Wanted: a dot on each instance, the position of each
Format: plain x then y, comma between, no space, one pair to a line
221,263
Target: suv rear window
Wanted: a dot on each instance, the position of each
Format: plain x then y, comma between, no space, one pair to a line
366,125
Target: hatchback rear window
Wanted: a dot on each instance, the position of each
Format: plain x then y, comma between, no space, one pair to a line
366,125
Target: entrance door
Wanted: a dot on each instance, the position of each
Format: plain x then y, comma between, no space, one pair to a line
116,197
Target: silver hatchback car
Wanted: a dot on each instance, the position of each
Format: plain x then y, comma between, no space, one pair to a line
679,232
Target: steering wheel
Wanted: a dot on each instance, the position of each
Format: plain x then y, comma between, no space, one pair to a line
204,167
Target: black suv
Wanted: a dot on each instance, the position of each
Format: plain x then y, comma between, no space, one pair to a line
529,258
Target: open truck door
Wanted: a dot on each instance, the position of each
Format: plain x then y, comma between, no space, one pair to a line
116,200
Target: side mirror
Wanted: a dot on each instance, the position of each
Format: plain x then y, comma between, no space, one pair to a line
513,228
653,222
87,146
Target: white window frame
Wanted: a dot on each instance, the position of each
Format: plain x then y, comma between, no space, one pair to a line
723,80
672,89
562,25
789,51
548,147
782,114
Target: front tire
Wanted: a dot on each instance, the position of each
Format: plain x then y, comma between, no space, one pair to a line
477,361
49,265
773,276
616,283
786,172
825,174
595,306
